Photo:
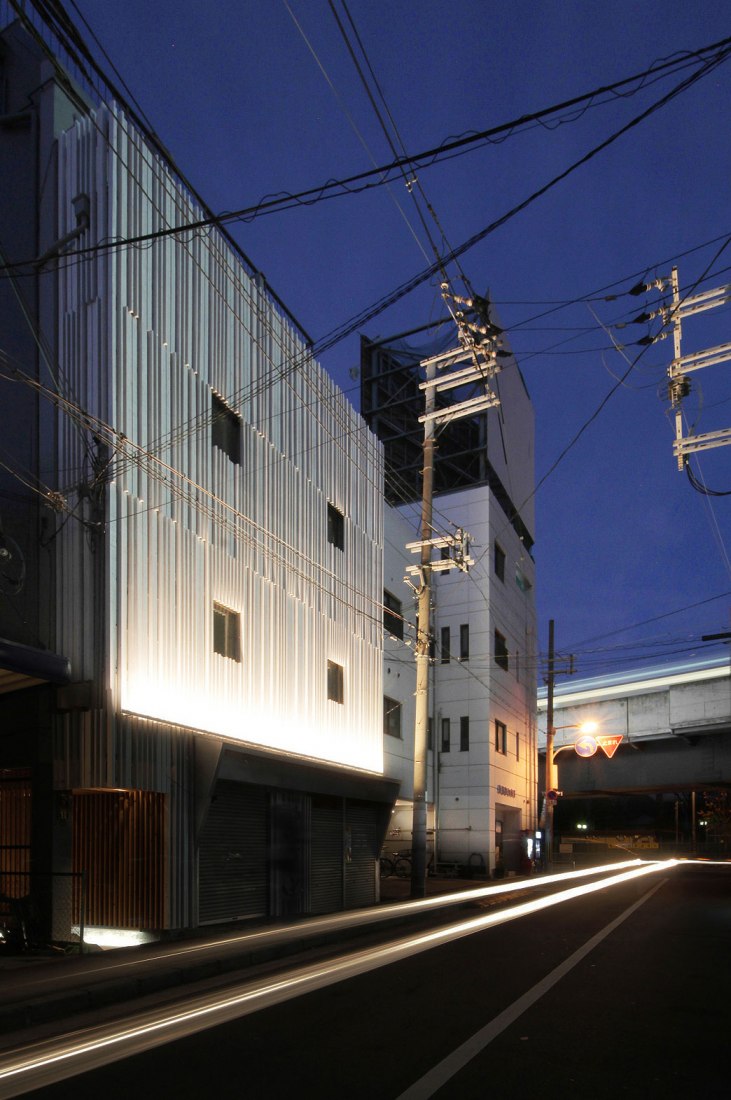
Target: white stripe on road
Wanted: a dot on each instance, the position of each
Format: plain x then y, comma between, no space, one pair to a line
427,1085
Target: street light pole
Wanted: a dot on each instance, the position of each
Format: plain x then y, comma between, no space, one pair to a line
550,735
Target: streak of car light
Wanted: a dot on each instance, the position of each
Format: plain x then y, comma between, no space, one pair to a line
337,921
65,1056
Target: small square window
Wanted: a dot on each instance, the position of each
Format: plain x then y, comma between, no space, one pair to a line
335,682
499,560
501,736
335,527
393,620
446,645
225,429
464,642
226,632
464,733
446,736
391,717
501,651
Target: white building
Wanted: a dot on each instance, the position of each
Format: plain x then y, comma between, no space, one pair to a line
482,768
197,512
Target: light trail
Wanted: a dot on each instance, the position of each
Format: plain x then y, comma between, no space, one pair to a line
315,926
56,1059
705,862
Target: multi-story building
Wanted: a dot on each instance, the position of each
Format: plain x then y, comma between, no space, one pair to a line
192,550
481,794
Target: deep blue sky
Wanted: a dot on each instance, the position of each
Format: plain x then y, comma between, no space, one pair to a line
235,93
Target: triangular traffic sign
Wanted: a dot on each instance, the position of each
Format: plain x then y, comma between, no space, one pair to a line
609,742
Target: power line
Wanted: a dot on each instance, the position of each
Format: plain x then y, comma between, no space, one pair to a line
336,335
285,200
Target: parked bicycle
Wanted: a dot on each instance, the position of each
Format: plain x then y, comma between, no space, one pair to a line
399,864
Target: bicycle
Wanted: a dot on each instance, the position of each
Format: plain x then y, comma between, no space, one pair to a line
398,863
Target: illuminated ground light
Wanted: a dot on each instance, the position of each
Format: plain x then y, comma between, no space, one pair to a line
116,937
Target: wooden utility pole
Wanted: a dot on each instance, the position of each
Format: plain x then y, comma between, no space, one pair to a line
476,350
550,736
423,640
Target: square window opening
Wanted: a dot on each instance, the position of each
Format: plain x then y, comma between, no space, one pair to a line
225,429
226,632
335,527
335,690
501,736
499,562
391,717
501,651
393,621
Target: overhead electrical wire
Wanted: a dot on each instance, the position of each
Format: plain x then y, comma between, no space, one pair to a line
675,92
268,204
212,508
321,396
610,393
356,322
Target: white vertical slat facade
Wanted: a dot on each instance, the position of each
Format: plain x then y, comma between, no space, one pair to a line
148,334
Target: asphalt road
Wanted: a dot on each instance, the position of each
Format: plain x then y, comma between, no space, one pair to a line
623,992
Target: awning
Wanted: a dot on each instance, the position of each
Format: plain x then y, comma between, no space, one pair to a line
23,666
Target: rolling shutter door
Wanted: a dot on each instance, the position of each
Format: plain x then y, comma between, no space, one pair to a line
326,854
360,868
232,859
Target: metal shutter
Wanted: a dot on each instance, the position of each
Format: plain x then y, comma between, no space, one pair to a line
326,855
232,854
361,855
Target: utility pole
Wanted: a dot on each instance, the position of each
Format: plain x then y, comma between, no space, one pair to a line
550,736
551,781
477,349
682,365
423,641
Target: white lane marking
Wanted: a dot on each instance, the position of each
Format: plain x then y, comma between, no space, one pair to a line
427,1085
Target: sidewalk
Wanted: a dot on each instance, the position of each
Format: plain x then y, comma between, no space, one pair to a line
399,889
38,989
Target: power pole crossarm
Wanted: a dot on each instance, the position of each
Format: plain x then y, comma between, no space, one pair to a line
477,349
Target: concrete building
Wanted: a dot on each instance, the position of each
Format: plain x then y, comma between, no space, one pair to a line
192,551
482,765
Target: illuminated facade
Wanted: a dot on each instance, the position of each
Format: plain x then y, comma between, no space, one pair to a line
482,776
198,515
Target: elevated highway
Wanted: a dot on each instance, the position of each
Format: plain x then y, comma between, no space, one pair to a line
675,724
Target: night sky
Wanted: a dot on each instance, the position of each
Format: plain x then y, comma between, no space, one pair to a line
259,97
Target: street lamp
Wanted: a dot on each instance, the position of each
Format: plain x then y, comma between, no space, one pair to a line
588,727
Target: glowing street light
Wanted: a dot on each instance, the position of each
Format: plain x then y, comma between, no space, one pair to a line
586,729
